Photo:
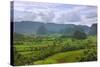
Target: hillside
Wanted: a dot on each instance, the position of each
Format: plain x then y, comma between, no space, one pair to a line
29,27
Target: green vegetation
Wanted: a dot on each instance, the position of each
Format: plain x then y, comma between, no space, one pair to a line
79,35
48,50
68,56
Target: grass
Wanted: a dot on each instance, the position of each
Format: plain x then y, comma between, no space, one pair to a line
50,51
69,56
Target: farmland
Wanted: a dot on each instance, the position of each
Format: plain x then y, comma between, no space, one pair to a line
49,50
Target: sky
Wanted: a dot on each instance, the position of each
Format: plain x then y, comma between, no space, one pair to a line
55,13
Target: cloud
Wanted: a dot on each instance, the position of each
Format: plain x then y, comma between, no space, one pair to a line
47,16
55,13
69,17
91,14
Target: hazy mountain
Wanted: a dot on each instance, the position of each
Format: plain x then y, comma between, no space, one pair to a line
93,28
29,27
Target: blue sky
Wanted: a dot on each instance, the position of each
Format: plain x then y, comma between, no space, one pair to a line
55,13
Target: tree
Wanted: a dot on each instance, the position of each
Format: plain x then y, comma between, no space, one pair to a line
79,35
89,55
42,30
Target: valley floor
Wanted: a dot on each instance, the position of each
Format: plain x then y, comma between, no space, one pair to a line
64,57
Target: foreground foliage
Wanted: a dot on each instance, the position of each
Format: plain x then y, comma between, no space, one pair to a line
47,50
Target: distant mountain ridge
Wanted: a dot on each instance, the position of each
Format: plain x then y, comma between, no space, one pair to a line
30,27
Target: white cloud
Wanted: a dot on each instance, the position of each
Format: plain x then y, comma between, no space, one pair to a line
55,13
47,16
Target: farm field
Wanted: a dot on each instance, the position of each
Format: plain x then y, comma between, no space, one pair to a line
68,56
50,50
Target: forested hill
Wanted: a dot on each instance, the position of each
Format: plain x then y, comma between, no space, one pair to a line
29,27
